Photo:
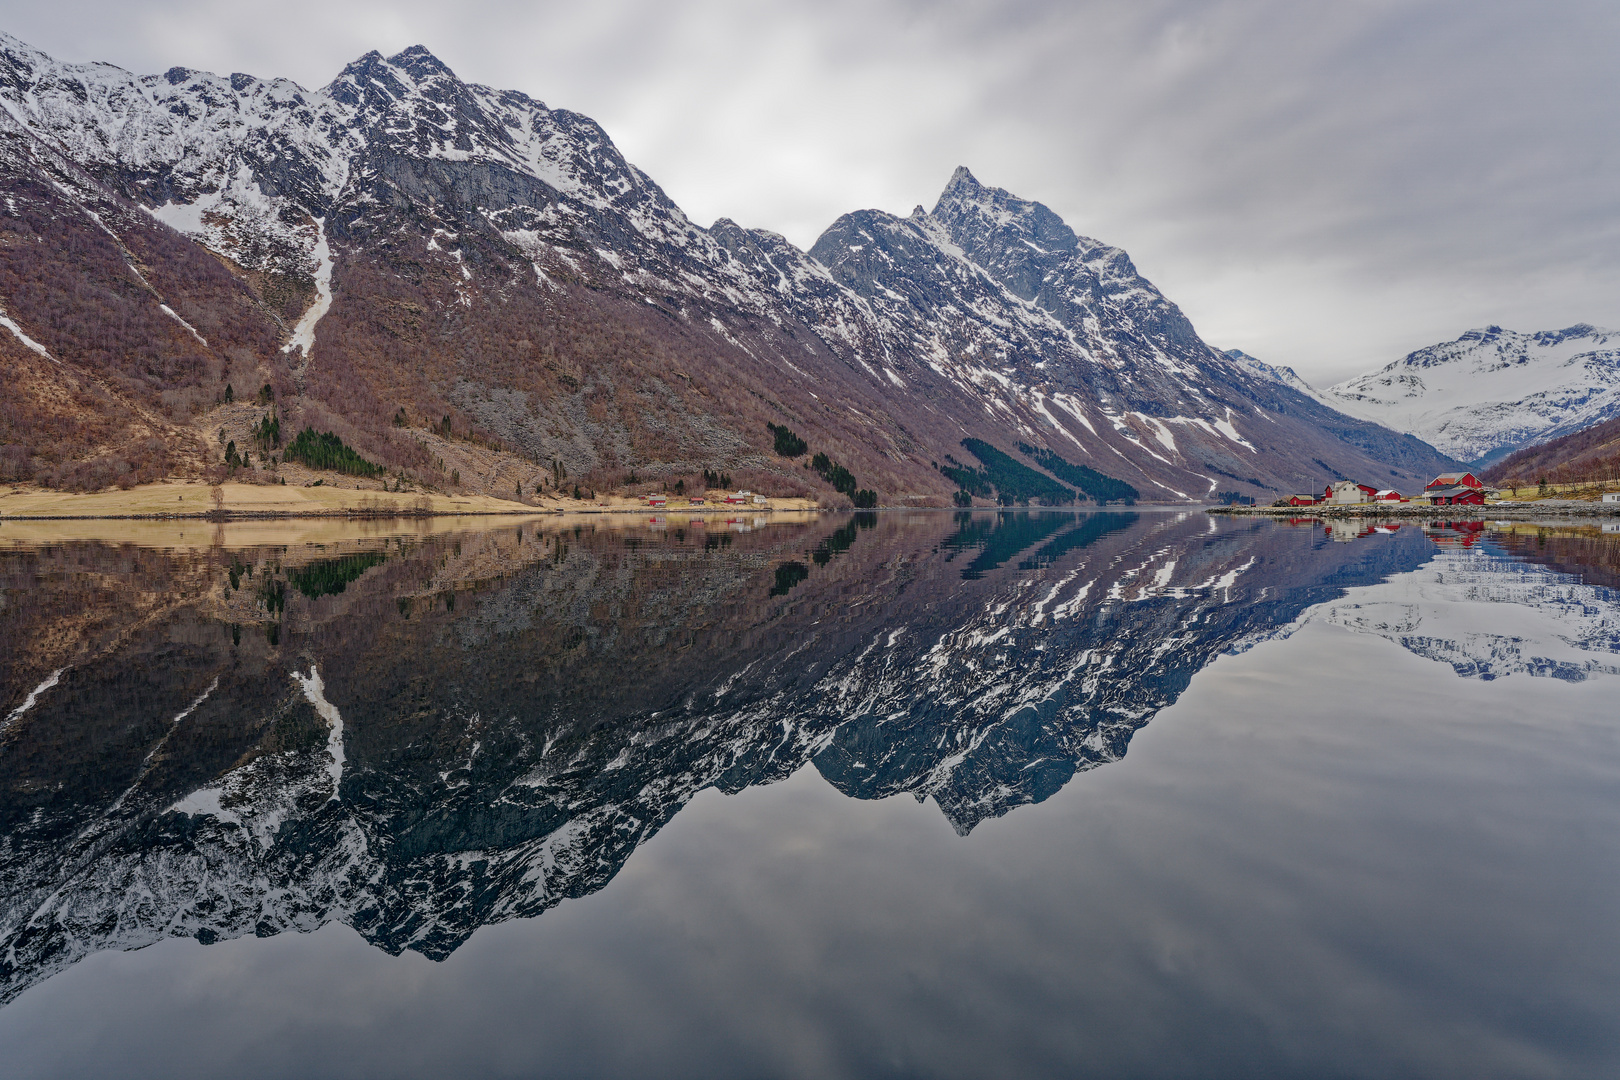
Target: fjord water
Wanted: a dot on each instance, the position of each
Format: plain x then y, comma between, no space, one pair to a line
1021,793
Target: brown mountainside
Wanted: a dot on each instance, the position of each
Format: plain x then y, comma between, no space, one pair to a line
1590,454
474,290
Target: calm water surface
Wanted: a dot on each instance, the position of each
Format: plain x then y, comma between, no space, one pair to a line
930,795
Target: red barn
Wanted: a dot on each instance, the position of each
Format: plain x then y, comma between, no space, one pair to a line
1454,479
1455,496
1303,500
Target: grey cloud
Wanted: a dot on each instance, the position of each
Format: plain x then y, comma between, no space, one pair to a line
1325,185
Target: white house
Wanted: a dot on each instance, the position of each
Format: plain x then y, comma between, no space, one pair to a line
1342,492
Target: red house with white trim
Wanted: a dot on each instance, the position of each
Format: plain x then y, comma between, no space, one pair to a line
1455,496
1454,479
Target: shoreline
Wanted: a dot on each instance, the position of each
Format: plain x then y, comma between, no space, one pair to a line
193,501
1497,510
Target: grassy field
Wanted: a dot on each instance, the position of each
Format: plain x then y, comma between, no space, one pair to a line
195,498
1592,491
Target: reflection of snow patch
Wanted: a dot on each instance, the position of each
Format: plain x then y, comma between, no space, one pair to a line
205,803
303,336
315,693
150,754
202,697
33,696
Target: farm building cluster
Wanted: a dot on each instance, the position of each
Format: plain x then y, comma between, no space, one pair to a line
1447,489
739,498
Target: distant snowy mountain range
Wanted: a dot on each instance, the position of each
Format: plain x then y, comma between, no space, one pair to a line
427,266
1485,395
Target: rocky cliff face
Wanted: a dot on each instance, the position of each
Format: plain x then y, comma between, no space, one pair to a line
401,247
421,739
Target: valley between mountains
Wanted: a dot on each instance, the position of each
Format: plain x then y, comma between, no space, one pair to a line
476,293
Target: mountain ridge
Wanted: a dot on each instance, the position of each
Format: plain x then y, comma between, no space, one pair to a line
420,264
1492,391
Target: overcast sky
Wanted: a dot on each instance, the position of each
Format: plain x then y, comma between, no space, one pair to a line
1323,184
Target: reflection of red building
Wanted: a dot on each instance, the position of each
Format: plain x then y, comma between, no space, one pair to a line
1455,533
1453,479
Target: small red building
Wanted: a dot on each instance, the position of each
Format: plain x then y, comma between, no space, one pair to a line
1303,500
1454,479
1389,495
1455,496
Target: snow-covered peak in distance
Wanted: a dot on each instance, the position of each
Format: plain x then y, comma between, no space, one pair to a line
1278,373
1492,391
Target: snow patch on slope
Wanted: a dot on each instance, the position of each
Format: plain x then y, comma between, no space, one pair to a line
303,336
17,332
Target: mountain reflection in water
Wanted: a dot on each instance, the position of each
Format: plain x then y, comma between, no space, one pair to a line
422,735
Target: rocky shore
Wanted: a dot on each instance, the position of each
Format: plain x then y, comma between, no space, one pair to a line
1513,511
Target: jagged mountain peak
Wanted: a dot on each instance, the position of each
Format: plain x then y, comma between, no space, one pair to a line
964,186
419,61
408,71
19,52
490,214
990,215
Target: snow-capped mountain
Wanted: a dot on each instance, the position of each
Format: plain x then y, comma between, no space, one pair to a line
451,741
1492,391
1277,373
401,247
